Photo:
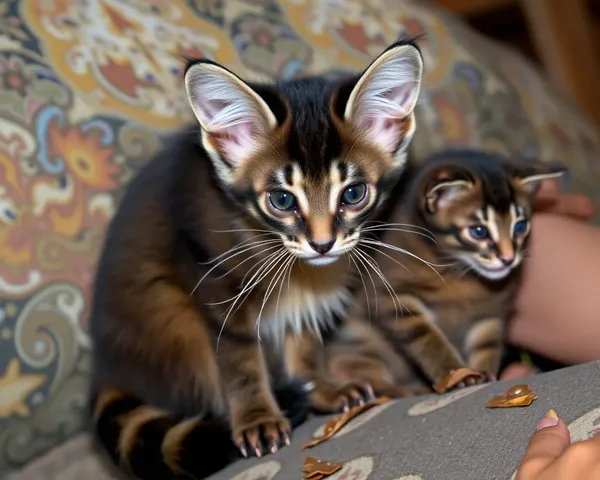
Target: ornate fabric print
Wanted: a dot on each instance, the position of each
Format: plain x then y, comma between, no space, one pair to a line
356,422
16,387
269,47
357,469
586,426
126,56
262,471
440,401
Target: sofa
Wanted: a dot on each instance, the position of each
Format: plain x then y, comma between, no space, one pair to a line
88,92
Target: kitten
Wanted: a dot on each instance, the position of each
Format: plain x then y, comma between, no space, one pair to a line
229,239
464,221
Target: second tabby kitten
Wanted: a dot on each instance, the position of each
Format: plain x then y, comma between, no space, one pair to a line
465,218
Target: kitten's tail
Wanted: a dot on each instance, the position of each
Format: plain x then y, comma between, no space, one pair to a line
150,444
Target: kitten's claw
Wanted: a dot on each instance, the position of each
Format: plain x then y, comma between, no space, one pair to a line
262,436
332,397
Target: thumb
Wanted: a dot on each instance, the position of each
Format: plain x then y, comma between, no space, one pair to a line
548,442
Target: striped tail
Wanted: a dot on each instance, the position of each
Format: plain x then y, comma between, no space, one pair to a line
150,444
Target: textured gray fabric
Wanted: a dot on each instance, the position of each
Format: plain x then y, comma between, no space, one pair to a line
461,440
449,437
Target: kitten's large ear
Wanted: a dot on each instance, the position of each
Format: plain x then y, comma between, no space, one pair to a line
233,117
529,177
383,100
445,187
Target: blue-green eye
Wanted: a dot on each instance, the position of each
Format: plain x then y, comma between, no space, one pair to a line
520,228
354,194
478,232
282,200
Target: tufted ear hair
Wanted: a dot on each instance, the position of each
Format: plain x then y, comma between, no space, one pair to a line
234,117
382,102
530,176
445,186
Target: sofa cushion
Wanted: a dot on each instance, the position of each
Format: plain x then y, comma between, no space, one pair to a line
448,437
89,89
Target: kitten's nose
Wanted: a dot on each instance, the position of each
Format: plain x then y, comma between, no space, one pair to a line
507,261
322,247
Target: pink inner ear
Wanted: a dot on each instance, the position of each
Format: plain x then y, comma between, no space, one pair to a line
384,119
237,142
386,132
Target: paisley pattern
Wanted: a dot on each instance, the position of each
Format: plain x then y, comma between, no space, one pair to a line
88,89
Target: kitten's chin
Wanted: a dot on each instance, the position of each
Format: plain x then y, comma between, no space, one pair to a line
494,274
490,273
322,260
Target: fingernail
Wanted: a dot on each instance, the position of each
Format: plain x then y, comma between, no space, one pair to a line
549,420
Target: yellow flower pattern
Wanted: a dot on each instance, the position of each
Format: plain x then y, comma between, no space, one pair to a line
15,388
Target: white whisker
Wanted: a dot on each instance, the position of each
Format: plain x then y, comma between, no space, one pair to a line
253,280
371,278
402,230
362,279
406,252
388,224
373,264
261,243
264,250
269,290
275,256
243,244
390,257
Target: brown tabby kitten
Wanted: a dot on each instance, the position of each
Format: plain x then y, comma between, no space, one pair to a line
464,222
235,234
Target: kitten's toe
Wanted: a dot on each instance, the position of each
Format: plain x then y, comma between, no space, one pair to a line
263,436
331,398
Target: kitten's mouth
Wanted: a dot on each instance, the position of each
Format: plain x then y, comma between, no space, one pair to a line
496,273
322,260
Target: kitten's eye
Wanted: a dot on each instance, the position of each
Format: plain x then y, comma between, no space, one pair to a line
354,194
520,228
282,200
478,232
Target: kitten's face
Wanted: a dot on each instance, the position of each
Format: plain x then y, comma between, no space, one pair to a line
319,217
482,217
311,160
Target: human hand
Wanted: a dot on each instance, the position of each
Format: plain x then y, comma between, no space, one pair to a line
551,456
551,199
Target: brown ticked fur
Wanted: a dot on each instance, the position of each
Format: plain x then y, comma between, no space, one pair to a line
205,274
448,309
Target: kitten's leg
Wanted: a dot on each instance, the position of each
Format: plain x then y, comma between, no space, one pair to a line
358,368
305,358
483,346
257,423
360,353
415,334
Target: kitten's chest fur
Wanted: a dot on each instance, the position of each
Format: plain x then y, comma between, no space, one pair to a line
310,300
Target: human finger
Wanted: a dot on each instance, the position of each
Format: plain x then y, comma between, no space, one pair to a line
549,441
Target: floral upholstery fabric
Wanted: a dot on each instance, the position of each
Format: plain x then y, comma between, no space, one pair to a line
89,89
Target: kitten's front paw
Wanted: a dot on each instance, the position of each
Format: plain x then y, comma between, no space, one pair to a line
330,397
259,433
462,378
